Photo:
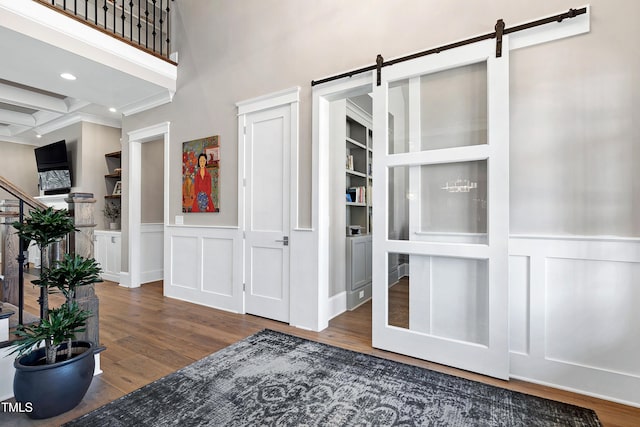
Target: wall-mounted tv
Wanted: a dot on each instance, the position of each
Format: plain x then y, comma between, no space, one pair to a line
54,169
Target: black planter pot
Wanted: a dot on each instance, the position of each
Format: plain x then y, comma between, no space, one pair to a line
53,389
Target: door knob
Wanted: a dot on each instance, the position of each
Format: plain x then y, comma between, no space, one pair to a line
284,241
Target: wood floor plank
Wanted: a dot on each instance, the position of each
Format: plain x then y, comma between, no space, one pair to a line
148,336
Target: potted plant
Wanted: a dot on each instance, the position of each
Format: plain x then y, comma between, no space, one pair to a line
53,379
112,213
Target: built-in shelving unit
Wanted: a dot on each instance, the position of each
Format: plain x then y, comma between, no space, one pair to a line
358,143
358,148
351,159
113,185
114,167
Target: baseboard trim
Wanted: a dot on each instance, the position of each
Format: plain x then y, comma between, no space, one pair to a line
151,276
337,304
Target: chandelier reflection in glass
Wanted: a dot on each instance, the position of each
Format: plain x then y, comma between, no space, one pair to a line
459,186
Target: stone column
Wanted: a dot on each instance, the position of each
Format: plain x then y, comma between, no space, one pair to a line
81,209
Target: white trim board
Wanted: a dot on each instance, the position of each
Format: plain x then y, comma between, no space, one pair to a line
263,102
131,192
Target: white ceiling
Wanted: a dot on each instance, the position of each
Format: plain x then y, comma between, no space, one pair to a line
34,99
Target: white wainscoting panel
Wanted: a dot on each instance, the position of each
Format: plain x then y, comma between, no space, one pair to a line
309,306
217,254
205,266
151,249
594,320
574,314
185,262
519,304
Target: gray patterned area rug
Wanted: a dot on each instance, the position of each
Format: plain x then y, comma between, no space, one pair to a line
276,379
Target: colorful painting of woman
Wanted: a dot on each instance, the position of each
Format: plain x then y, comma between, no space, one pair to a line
202,188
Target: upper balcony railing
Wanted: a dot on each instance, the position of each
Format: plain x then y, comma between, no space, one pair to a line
145,24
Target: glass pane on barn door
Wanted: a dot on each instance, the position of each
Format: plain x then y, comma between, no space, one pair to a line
443,297
453,110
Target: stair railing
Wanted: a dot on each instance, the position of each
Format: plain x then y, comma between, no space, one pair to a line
30,201
144,24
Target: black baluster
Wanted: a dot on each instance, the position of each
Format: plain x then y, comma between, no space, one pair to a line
154,25
161,22
131,20
105,8
123,18
75,7
139,24
21,245
146,28
64,4
168,29
86,11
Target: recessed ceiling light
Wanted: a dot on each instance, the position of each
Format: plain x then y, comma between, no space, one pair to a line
38,136
68,76
113,110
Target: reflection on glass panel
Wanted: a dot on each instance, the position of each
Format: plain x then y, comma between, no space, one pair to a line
453,107
449,201
453,200
399,117
440,296
398,215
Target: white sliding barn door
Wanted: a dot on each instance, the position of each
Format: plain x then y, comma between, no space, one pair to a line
267,212
446,162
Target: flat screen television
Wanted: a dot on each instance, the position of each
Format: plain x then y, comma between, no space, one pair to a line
54,169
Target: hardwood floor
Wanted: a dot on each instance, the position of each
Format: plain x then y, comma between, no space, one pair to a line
148,336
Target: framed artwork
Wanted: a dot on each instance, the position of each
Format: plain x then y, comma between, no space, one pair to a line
201,175
117,189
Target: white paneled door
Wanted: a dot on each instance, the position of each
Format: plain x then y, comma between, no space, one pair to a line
267,211
441,128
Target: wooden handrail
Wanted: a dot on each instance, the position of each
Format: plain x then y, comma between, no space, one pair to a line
18,192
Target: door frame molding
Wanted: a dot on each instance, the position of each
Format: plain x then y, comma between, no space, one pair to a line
323,95
132,192
281,98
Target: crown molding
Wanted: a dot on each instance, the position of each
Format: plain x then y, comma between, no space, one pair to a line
72,119
148,103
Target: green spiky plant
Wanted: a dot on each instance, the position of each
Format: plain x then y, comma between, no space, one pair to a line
63,323
45,226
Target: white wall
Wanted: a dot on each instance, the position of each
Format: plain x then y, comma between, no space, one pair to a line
574,110
574,106
152,182
573,101
18,165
